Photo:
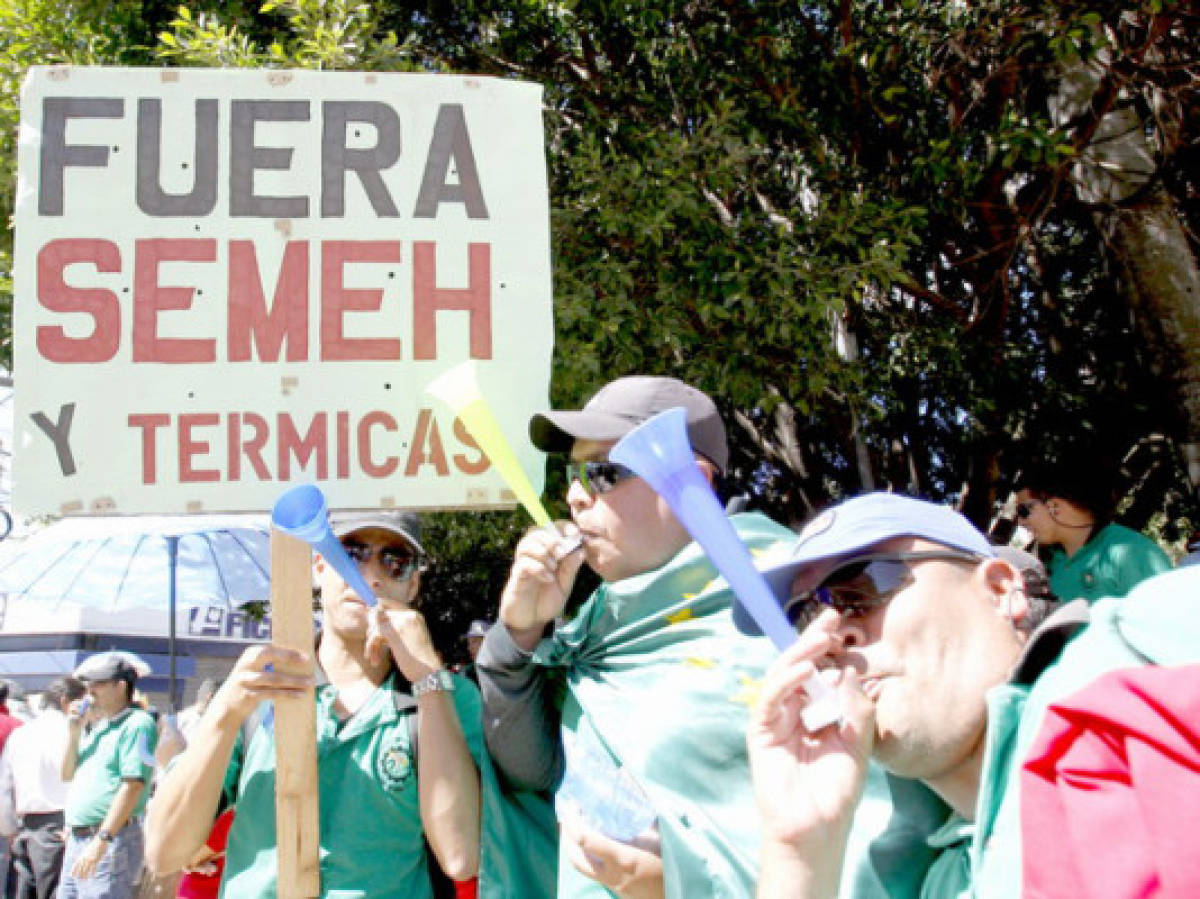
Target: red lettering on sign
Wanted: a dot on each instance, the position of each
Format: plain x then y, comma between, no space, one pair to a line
366,445
191,446
291,444
149,423
287,317
480,463
337,300
343,445
429,299
55,294
252,447
426,432
150,298
370,467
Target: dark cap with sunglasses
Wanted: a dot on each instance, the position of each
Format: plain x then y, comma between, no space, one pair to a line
402,524
621,405
852,527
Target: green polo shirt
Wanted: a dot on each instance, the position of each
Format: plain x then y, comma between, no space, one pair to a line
371,842
1112,563
117,749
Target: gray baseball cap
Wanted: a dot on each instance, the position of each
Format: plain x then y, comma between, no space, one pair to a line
856,525
621,405
402,524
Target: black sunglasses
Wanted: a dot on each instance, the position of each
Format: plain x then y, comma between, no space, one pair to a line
398,562
863,583
598,477
1024,510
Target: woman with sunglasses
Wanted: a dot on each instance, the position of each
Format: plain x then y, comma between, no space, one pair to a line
1067,506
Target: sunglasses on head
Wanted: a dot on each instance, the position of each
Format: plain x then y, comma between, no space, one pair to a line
398,562
598,477
864,583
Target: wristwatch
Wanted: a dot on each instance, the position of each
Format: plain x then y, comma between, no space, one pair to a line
433,682
104,836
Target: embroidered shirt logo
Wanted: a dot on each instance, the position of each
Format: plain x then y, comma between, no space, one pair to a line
396,765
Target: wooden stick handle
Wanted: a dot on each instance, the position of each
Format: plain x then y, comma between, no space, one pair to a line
297,809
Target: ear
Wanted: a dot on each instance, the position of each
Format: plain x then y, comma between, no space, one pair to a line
1006,588
707,467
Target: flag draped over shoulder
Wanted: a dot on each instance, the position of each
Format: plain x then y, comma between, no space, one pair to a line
659,677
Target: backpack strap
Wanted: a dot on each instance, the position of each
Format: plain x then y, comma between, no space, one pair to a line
1047,642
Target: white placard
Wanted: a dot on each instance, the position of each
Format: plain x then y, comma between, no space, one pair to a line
231,281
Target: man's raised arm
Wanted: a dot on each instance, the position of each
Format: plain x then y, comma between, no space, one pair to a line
185,803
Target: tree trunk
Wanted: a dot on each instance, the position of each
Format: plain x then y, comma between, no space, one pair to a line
1149,243
1116,172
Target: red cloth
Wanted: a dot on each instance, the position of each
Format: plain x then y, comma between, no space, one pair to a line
8,723
1110,793
466,889
194,885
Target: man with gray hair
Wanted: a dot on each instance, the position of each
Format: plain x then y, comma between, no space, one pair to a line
921,625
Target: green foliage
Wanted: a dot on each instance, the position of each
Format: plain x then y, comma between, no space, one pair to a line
470,557
328,35
44,32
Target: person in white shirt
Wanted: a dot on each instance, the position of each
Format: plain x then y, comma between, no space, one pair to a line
189,716
33,793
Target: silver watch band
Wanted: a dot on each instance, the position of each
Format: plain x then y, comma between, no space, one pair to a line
433,682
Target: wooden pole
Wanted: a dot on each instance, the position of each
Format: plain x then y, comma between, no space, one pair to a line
297,821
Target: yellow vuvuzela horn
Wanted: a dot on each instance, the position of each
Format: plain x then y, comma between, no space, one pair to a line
458,388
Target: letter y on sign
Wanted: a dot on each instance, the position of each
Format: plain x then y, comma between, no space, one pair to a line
60,435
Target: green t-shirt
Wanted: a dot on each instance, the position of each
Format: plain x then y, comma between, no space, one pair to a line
115,750
371,842
1112,563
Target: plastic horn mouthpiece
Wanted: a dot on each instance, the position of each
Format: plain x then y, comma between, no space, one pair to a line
659,452
302,512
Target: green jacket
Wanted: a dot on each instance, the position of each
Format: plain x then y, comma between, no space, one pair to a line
1155,624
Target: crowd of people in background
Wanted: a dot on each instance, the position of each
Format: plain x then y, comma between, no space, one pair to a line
650,742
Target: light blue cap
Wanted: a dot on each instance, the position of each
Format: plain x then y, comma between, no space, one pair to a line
856,525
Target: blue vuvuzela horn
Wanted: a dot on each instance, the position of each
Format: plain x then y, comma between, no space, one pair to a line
302,512
659,452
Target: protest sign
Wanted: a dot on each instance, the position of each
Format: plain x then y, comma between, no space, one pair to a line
228,281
